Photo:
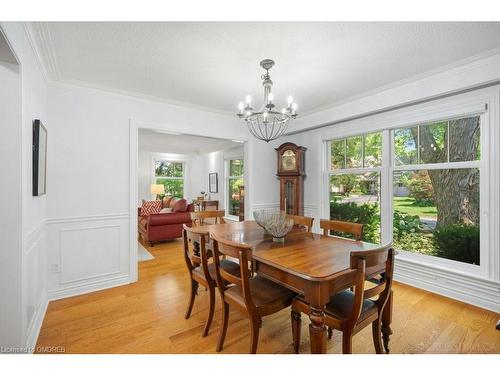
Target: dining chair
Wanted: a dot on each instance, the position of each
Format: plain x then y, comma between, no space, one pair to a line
342,226
255,296
201,271
349,311
302,221
198,218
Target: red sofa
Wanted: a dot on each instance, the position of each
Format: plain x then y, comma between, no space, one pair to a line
164,226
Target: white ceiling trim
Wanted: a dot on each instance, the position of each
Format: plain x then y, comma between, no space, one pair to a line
138,95
41,43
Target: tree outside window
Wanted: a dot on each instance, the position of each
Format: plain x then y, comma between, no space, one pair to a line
436,210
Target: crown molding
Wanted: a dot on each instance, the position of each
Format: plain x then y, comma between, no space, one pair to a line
40,39
139,95
465,64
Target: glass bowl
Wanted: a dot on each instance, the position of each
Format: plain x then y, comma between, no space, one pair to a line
274,222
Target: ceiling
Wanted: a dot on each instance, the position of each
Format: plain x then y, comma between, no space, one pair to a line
158,141
213,65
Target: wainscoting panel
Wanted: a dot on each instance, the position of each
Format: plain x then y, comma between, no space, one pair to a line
469,289
34,280
87,253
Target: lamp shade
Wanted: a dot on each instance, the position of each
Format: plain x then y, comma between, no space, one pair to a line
157,189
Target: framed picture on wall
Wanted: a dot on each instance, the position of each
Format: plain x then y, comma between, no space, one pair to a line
213,183
39,158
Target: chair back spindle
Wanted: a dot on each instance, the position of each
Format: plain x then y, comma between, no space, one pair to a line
195,249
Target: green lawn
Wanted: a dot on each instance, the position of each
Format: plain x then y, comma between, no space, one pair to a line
405,205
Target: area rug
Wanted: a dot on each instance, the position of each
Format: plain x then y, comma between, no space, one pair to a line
143,254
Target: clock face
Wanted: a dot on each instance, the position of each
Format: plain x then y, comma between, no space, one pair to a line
289,161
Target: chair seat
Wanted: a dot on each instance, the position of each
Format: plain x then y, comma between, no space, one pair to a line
227,265
341,304
264,292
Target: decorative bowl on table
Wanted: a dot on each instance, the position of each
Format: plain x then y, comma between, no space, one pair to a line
275,223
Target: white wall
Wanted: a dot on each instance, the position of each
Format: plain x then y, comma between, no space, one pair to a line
199,166
31,299
213,162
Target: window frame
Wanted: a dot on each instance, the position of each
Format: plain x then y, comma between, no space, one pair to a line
156,159
357,170
475,164
444,110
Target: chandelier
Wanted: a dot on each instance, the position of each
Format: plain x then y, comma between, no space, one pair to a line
267,123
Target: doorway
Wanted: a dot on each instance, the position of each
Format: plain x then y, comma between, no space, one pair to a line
172,163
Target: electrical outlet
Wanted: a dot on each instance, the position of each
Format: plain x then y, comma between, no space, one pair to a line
55,268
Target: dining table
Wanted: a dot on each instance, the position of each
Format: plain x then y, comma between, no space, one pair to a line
313,265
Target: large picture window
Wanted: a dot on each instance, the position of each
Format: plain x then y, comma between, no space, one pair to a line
171,175
434,170
234,186
436,188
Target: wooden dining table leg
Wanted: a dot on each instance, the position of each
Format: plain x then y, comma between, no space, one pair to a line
317,330
386,323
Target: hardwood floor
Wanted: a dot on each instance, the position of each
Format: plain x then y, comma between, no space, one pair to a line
148,317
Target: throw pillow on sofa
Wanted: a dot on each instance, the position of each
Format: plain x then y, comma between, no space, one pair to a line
150,207
166,201
179,205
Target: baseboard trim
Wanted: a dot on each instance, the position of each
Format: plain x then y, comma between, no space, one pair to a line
89,287
36,324
478,292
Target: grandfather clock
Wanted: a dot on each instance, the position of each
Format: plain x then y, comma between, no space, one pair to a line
291,173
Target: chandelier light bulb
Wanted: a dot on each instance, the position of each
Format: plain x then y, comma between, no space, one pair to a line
241,106
289,100
248,99
270,97
294,106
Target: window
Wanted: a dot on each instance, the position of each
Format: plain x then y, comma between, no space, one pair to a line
354,182
436,180
171,175
234,183
436,175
